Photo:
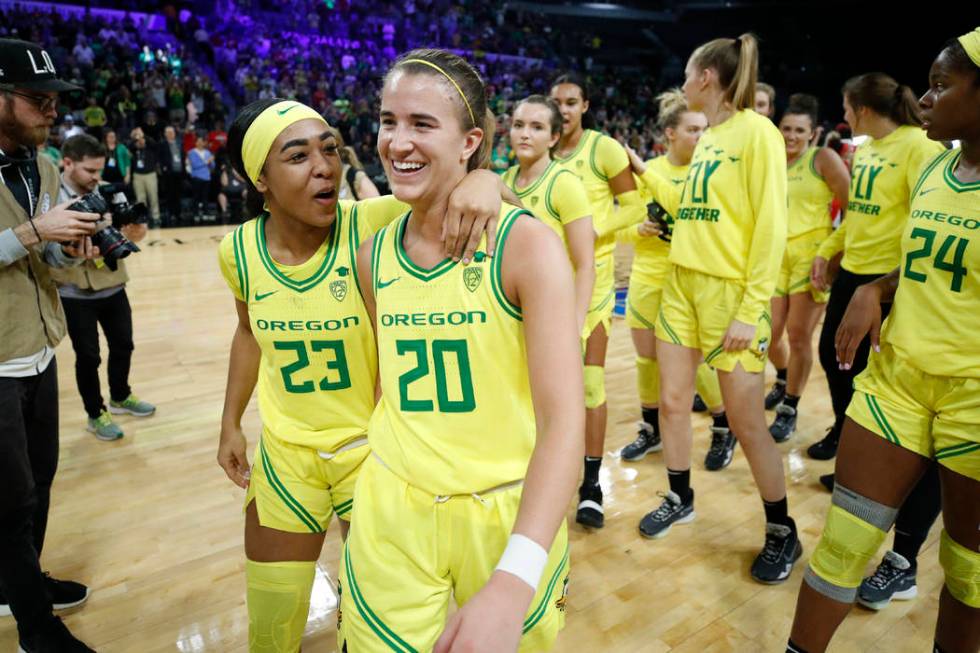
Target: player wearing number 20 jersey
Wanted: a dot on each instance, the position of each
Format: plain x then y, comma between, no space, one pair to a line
922,391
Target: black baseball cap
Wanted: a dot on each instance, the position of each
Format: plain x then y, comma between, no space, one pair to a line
27,65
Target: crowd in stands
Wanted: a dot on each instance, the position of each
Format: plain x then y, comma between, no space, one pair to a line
166,87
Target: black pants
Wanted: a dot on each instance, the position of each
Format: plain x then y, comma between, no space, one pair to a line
116,318
917,514
28,460
171,185
200,190
841,382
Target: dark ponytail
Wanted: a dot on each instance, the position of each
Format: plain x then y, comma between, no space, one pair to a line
254,200
883,95
575,79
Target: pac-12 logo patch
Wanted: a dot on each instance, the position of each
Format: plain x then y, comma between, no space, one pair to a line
472,278
338,289
534,200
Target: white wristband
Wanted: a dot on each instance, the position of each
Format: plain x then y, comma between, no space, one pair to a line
525,559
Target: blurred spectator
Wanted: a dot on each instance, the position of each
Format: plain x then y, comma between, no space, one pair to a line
117,162
200,164
171,162
145,174
95,118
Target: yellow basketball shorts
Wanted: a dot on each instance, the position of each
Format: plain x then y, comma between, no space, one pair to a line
296,489
643,305
603,297
794,274
696,310
933,416
409,552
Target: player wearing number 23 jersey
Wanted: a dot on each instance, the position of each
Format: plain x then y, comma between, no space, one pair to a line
922,391
318,366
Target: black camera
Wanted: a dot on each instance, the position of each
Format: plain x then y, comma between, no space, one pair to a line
110,241
659,215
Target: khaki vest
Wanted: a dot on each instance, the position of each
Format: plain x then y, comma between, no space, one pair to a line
30,311
90,276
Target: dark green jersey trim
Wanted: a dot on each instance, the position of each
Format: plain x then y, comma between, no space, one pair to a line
670,332
595,170
952,181
295,506
926,172
319,275
542,608
879,417
376,258
534,184
578,148
547,196
440,268
384,633
496,266
241,261
354,245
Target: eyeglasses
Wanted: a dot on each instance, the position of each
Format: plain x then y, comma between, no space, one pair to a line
44,103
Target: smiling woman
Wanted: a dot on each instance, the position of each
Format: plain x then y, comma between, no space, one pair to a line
480,422
292,271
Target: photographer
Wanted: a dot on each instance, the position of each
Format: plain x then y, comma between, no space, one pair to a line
94,294
31,325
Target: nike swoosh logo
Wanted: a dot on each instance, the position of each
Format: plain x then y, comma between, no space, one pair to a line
287,109
923,192
385,284
260,296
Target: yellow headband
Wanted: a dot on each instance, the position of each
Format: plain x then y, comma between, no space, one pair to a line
451,81
971,43
265,129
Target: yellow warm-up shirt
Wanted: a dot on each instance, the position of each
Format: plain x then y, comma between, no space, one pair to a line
731,213
933,322
319,363
882,176
650,255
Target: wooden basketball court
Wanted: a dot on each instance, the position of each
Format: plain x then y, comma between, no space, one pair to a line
154,527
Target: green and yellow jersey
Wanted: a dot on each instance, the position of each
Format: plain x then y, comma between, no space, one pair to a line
933,320
809,196
318,367
455,415
882,176
730,214
557,197
596,159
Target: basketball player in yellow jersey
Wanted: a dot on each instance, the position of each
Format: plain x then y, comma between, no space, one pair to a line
729,236
815,176
682,129
304,337
919,398
476,440
883,172
603,166
555,195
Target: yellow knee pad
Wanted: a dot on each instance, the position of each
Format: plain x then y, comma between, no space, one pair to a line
706,382
278,604
595,386
648,380
962,567
855,528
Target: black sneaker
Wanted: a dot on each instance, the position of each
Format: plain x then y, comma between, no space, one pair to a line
699,405
590,506
54,637
776,395
782,549
722,449
672,511
647,440
827,448
893,579
64,594
827,480
784,424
